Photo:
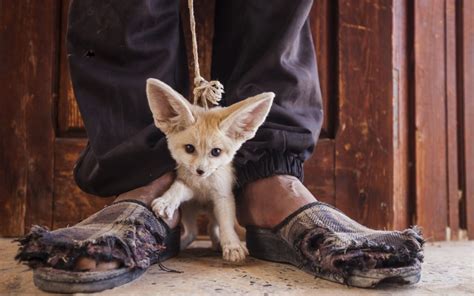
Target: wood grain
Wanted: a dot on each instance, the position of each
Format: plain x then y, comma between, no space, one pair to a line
324,27
451,122
467,90
71,205
364,138
400,117
430,117
69,119
28,51
319,172
12,123
204,17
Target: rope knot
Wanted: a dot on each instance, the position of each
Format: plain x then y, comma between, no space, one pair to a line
204,91
207,92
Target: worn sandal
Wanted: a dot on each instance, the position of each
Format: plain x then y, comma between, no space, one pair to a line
324,242
125,231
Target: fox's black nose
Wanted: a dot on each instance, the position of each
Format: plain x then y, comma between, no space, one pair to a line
199,171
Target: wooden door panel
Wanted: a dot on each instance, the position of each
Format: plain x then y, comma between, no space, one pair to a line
429,109
28,34
70,203
323,20
69,119
319,175
364,140
465,10
451,121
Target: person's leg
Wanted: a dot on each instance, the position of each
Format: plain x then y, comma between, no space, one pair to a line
113,47
262,46
266,46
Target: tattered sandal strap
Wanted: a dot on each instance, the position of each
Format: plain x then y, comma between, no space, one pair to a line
280,225
125,231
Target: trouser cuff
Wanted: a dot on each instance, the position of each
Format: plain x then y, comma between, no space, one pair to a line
271,164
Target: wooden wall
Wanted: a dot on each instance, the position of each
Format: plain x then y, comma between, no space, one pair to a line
465,95
28,54
396,147
441,51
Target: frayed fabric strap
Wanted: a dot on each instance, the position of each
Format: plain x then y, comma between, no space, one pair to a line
331,240
126,231
283,223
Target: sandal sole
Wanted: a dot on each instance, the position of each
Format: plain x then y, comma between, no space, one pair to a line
266,245
62,281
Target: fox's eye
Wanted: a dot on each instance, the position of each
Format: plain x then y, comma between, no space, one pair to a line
189,148
216,152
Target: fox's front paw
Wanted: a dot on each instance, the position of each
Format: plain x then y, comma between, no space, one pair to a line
234,251
164,207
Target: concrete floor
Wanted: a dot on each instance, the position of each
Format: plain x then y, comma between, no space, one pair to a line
448,270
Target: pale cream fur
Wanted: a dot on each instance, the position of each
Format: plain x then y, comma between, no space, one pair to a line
224,128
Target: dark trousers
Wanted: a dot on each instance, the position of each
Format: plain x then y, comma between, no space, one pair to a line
259,45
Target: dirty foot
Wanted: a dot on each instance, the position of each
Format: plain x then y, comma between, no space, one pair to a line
267,202
145,194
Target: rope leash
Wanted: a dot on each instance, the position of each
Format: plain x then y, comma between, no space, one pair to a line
205,92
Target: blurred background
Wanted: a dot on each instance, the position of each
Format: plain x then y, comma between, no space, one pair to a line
397,146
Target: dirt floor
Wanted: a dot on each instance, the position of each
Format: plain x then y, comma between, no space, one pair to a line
448,270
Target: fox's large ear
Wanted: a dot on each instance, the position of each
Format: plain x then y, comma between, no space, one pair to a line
171,111
241,120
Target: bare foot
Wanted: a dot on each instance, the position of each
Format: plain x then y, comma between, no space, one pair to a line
145,194
267,202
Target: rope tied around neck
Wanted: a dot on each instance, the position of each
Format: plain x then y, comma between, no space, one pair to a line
204,92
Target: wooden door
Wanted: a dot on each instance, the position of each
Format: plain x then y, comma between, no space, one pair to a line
42,131
373,156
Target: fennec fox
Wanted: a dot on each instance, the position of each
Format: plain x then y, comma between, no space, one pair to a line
203,144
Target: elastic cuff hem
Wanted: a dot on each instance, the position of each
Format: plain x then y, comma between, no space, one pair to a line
271,164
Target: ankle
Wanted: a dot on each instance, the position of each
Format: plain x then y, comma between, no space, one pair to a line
149,192
266,202
146,194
